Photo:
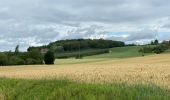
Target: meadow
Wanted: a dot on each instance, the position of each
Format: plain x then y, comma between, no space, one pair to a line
22,89
122,52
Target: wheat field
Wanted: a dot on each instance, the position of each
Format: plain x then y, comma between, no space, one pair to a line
150,69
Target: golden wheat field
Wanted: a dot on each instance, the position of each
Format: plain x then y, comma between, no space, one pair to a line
150,69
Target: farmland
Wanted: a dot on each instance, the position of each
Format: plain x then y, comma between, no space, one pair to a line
153,69
91,78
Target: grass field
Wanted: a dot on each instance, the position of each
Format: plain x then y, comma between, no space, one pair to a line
116,53
121,52
17,89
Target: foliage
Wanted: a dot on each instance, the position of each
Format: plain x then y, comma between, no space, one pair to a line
83,44
17,89
14,60
21,58
3,59
147,49
155,42
49,57
17,49
83,53
155,49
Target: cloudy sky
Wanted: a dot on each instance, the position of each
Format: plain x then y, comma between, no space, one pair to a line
38,22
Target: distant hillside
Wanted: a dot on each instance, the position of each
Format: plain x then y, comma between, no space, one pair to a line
76,44
85,47
122,52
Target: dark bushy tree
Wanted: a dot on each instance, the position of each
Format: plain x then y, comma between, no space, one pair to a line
17,49
49,57
156,42
158,50
3,59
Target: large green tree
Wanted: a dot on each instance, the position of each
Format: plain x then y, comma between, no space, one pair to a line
3,59
49,57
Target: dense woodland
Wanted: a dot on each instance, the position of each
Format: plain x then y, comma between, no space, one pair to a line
83,44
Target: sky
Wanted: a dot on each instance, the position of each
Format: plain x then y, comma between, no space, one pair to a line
38,22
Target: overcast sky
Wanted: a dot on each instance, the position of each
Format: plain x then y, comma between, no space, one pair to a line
38,22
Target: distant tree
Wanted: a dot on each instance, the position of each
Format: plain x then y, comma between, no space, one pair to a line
158,50
152,43
156,42
17,49
35,54
3,59
49,57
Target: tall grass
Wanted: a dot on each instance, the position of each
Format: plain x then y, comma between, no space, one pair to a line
17,89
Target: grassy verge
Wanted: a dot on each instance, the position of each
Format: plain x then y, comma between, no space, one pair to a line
17,89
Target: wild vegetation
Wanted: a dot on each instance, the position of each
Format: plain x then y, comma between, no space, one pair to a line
21,58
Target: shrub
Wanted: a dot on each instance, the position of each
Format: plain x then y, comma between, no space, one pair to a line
3,59
49,57
14,60
158,50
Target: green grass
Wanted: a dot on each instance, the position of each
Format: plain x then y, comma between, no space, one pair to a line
116,53
121,52
17,89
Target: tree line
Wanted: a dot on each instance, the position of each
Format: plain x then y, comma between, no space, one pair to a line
156,47
31,57
83,44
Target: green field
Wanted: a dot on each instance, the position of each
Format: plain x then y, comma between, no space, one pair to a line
17,89
116,53
121,52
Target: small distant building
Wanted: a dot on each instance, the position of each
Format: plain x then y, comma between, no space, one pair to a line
44,50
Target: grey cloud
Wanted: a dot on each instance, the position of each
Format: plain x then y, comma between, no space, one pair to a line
36,22
141,35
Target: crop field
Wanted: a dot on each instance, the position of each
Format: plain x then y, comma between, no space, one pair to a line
154,69
139,78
